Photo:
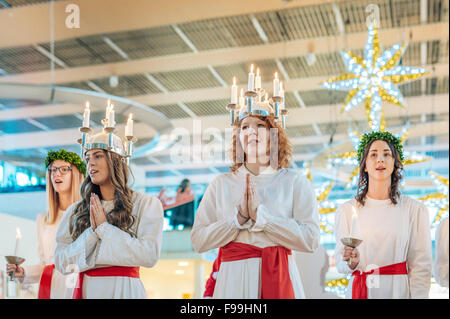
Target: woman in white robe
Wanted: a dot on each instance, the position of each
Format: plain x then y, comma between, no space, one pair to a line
395,253
255,208
110,233
65,172
441,263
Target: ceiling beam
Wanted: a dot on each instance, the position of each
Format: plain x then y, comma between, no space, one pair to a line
249,54
28,25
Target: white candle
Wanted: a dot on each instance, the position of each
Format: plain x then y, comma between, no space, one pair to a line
107,114
353,222
282,96
242,99
111,120
251,79
266,97
257,80
18,237
129,127
276,85
87,115
234,94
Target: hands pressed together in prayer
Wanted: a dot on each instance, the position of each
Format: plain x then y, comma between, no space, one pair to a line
97,214
351,255
249,202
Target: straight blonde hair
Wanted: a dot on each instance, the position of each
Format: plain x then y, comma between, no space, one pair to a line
53,196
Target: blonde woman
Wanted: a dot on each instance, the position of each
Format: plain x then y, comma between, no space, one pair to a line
112,231
257,214
65,173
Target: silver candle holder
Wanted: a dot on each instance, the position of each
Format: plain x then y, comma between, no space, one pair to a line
351,242
130,141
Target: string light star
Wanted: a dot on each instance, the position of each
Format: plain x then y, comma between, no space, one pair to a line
325,206
439,199
373,79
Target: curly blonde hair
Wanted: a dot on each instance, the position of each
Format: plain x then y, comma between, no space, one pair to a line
283,151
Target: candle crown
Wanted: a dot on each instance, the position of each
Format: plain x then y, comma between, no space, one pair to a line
106,139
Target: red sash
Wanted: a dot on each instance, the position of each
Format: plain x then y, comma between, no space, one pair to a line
45,284
113,271
359,287
275,280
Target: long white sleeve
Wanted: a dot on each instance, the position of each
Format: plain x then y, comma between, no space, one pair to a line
118,248
419,253
75,255
209,231
299,232
441,267
33,272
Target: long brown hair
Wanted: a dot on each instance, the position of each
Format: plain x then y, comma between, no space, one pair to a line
53,197
283,152
122,214
396,176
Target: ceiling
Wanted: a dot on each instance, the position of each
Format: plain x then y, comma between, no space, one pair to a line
182,66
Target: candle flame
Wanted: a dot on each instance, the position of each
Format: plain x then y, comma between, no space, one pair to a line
87,104
257,71
276,75
130,117
18,234
242,92
251,68
234,80
109,102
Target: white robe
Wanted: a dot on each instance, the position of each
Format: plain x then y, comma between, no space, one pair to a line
441,263
391,234
287,216
110,246
46,247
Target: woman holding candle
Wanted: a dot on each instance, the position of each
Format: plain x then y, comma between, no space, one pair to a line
257,214
65,172
112,231
395,253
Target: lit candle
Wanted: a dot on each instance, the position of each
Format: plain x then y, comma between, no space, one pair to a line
251,79
234,94
129,127
266,97
107,114
282,96
87,115
111,120
353,223
242,99
18,237
257,80
276,85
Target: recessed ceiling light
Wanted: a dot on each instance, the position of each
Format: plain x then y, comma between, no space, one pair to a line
183,263
179,272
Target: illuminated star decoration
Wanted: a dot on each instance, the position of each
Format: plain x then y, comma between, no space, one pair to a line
439,199
374,79
325,206
351,158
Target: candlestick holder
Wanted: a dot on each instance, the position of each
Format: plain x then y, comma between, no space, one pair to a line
130,141
351,242
232,108
16,261
109,131
277,100
284,113
250,99
85,131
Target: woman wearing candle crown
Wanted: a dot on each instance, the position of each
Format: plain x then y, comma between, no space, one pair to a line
257,213
394,228
112,231
65,172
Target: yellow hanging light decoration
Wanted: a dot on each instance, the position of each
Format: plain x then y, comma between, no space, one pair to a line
373,79
440,199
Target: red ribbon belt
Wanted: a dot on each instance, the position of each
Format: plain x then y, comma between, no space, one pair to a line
275,280
45,284
359,287
113,271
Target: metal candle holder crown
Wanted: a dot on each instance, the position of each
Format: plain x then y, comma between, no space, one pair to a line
269,107
107,140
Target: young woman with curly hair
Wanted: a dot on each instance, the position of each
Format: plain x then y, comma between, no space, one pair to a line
112,231
394,228
256,214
